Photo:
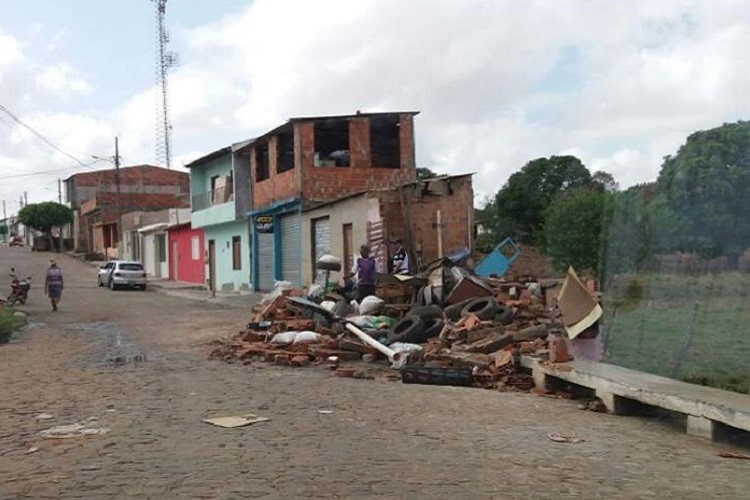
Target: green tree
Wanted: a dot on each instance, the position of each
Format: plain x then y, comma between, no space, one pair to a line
605,181
3,229
573,228
44,216
705,187
424,173
520,205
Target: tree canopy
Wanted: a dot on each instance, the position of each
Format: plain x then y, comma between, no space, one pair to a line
574,228
46,215
520,205
705,186
424,173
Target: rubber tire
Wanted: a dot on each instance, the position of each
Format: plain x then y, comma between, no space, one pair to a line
504,314
426,312
483,308
433,327
409,329
112,285
99,281
453,313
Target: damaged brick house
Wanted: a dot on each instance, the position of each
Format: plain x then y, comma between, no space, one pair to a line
432,217
311,160
93,198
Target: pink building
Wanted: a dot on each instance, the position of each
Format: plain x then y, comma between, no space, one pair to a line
186,257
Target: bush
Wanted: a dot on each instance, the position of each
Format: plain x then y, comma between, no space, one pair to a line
8,324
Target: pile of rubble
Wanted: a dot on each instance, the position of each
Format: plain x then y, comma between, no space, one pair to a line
456,329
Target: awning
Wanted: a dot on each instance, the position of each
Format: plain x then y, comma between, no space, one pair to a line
161,226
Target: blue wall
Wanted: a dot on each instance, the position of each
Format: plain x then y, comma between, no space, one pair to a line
228,279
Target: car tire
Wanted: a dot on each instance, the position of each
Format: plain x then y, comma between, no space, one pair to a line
112,285
99,281
426,312
483,308
453,313
433,327
409,329
504,314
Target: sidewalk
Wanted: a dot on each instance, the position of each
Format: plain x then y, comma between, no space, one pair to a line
184,290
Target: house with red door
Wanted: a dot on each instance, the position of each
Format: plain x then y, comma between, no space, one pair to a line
186,256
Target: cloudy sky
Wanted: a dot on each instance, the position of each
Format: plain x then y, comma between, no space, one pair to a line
619,84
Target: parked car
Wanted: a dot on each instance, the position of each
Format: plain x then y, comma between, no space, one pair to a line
121,273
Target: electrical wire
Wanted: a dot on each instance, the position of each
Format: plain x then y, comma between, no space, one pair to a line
43,138
44,172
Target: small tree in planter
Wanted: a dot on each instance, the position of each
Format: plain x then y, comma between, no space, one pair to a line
44,216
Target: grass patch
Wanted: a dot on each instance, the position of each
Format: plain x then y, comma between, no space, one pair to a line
8,324
650,330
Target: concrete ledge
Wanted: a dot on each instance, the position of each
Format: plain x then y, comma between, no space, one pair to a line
620,389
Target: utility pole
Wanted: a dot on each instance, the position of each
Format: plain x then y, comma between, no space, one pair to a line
25,198
118,224
59,191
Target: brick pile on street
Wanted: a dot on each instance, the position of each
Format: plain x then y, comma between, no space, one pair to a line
475,341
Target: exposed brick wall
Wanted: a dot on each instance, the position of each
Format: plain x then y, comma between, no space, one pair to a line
316,184
329,183
143,179
277,187
456,212
359,142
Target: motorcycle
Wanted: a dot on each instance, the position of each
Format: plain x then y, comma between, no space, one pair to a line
19,289
16,241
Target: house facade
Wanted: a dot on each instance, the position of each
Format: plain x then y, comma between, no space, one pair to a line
186,254
312,160
218,209
93,198
432,217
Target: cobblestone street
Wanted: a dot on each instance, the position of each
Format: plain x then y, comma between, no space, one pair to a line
137,362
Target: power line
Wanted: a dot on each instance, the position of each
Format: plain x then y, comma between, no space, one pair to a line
42,137
43,172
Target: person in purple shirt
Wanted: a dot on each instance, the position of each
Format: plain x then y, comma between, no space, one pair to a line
53,284
364,269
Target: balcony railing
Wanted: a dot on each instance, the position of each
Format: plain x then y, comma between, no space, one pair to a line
212,197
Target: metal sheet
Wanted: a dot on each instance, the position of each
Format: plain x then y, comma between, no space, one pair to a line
322,238
291,261
265,261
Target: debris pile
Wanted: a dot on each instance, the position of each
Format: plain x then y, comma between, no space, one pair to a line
457,329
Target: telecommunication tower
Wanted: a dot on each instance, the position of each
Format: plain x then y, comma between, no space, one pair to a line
164,61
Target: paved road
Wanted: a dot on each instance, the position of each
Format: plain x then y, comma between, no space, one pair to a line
384,440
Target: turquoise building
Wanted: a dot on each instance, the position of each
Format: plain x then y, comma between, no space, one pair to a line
219,208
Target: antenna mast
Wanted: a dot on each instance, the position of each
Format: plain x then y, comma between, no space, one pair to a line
164,61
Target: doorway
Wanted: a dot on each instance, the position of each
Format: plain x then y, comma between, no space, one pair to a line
175,257
212,265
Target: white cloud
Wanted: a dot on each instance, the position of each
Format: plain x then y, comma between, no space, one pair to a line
61,80
498,83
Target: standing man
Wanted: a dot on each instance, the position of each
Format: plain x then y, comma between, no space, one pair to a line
364,269
54,283
399,259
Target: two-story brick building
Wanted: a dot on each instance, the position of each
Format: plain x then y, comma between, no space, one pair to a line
92,196
311,160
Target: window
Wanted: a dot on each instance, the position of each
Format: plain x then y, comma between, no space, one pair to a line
284,151
385,144
261,162
236,253
214,181
332,143
195,253
130,267
161,241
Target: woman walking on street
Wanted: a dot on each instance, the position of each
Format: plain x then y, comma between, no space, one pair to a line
54,283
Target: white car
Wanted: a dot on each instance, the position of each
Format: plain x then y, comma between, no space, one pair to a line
121,273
